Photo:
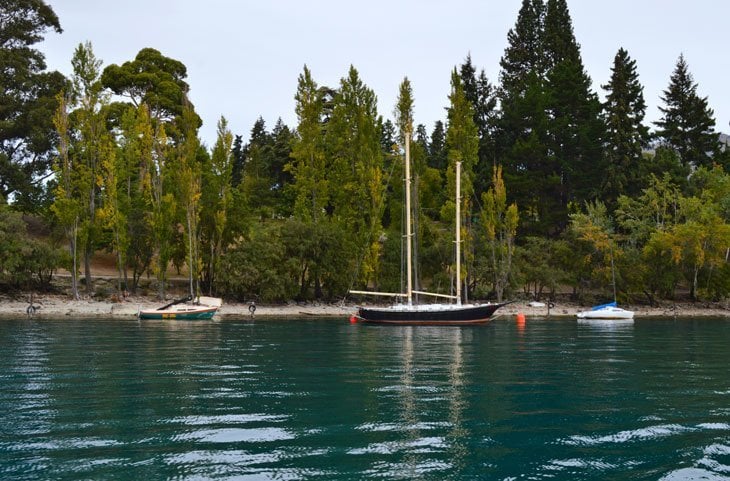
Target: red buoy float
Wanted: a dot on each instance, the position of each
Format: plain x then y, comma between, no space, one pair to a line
353,319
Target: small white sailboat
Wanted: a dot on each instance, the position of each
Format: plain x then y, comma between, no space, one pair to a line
606,311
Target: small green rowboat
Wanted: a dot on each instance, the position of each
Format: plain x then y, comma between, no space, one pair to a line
203,308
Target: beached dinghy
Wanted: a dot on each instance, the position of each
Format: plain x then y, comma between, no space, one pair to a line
184,309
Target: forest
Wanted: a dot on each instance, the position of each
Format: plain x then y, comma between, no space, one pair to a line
563,190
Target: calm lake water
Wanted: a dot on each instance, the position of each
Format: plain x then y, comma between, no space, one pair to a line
323,399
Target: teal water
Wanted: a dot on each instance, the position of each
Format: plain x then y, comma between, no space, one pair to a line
323,399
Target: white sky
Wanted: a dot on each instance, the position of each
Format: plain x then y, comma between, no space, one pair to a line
244,56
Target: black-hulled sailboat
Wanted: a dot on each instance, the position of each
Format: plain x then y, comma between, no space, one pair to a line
453,314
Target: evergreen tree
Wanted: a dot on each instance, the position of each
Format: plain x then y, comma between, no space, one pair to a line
483,98
522,131
388,137
282,139
27,101
437,147
524,54
687,124
576,129
626,134
238,159
559,43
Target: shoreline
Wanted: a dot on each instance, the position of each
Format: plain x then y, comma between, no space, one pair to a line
56,306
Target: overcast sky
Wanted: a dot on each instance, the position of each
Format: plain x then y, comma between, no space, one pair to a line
244,57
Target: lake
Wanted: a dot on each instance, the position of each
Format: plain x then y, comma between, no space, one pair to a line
324,399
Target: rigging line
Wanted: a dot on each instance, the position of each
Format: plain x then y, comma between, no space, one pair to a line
370,237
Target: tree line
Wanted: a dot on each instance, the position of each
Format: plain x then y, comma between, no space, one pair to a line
559,188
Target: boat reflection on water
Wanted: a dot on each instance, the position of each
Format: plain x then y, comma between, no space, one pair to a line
607,324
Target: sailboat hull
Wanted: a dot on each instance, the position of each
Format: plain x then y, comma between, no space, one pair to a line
441,315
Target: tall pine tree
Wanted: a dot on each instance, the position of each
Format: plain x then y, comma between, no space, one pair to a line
576,129
687,125
522,137
626,134
482,96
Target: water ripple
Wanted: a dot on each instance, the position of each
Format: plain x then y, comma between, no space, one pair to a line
651,432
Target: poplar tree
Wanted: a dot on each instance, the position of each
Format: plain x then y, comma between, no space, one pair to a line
91,145
135,145
217,197
462,145
687,125
626,136
353,144
500,222
403,113
112,212
66,205
308,154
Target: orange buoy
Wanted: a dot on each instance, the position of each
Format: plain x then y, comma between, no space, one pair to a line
353,319
520,318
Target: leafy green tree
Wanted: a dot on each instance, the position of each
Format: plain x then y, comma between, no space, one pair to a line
656,208
627,135
152,79
500,222
538,265
687,124
702,238
25,262
595,228
28,100
259,268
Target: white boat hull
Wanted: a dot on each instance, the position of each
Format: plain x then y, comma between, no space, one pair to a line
606,313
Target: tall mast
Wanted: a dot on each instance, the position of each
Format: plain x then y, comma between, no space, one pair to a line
409,268
458,233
